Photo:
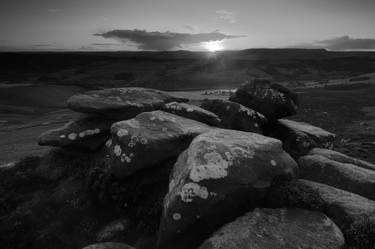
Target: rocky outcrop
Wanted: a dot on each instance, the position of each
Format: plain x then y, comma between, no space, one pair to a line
88,133
192,112
299,138
340,175
235,116
108,245
272,100
134,191
342,206
342,158
278,229
121,103
222,174
149,139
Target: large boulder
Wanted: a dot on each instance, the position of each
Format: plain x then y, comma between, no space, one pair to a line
342,158
278,229
121,103
192,112
222,174
235,116
299,138
271,99
88,133
149,139
353,214
108,245
340,175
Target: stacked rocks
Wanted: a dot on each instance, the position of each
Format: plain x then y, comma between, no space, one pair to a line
101,108
234,159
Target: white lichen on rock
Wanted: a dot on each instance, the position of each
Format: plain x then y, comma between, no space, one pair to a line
215,167
117,150
122,132
72,136
191,190
176,216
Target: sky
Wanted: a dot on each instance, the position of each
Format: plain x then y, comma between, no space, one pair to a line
101,25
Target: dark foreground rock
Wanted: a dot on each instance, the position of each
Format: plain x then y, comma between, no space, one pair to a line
342,158
222,174
149,139
353,214
121,103
270,99
340,175
108,245
278,229
192,112
235,116
89,133
299,138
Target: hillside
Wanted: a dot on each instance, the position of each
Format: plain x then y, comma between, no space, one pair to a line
182,70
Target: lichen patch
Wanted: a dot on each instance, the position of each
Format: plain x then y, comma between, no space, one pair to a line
176,216
108,143
72,136
122,132
191,190
215,167
117,150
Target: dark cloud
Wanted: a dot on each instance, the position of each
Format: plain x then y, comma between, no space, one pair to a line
41,45
347,43
341,43
105,44
163,40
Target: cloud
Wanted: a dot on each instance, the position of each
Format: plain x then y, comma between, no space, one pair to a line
41,45
163,40
54,10
105,44
341,43
347,43
226,16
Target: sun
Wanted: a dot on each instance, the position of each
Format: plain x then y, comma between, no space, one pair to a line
213,46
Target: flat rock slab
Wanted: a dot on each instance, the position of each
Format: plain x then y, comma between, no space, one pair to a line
298,137
221,175
272,100
192,112
149,139
346,209
343,207
108,245
278,229
342,158
235,116
122,103
340,175
89,133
